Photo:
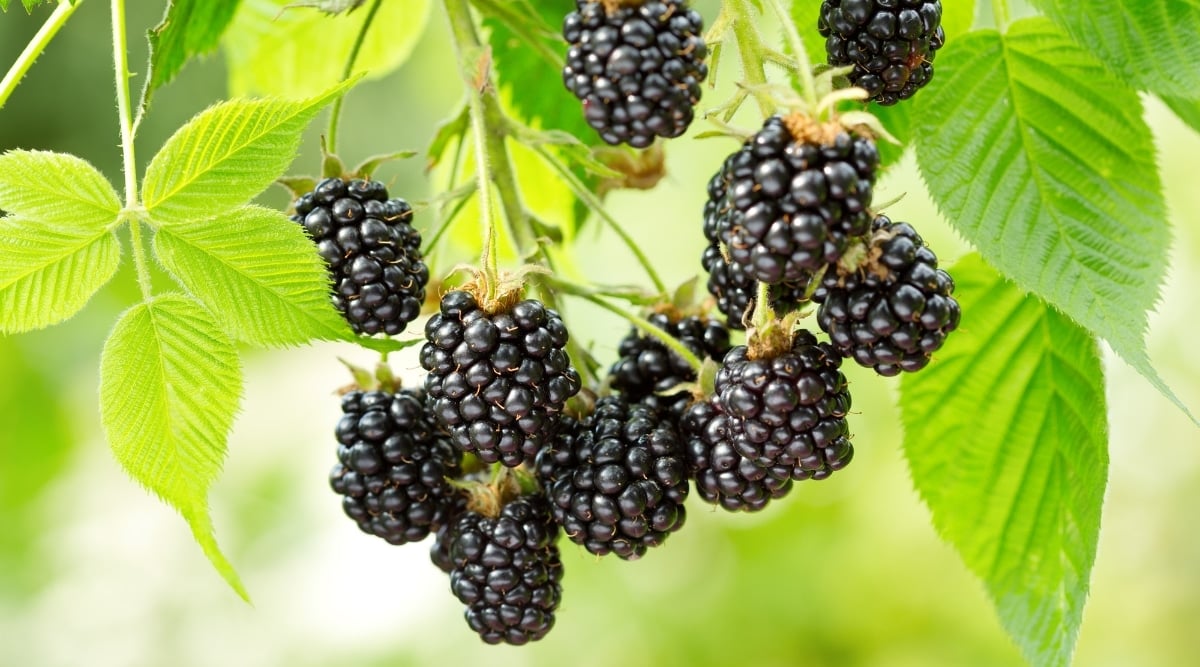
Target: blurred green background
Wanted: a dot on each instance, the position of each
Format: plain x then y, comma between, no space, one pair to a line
844,572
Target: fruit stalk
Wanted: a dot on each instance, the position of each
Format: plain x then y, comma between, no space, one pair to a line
750,48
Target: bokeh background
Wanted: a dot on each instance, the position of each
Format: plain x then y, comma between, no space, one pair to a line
846,572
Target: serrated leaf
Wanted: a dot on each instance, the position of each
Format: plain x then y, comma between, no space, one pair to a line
48,273
258,274
189,28
170,383
56,188
1153,44
1046,165
1187,110
225,156
1006,438
272,49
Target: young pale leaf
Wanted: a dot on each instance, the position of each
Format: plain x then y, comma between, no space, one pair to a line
1152,44
281,47
1045,163
257,273
1006,438
189,28
225,156
48,273
170,383
58,189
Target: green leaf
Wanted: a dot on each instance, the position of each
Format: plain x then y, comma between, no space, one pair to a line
48,273
298,51
1152,44
225,156
56,188
804,14
189,28
170,383
1005,435
258,274
28,4
1187,110
1045,164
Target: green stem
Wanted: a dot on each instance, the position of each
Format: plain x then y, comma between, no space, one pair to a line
641,323
139,260
797,45
335,114
1000,14
488,259
750,47
593,202
575,352
35,47
121,67
763,313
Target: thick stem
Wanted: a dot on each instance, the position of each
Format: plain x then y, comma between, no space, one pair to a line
488,259
335,114
139,260
750,48
35,47
797,45
121,67
763,313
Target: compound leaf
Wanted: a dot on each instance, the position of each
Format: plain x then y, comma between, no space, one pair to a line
56,188
170,383
1006,438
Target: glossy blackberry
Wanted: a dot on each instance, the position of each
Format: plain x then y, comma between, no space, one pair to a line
896,311
787,410
507,571
786,207
724,477
637,69
371,250
393,465
647,366
891,43
497,380
439,551
619,486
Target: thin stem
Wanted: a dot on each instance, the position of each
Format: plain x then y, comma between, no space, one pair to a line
580,359
1000,14
750,47
335,114
797,45
139,260
593,202
488,259
121,67
35,47
763,313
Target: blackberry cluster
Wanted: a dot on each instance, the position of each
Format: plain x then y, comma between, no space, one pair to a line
724,477
890,43
507,571
647,366
787,410
896,310
637,69
786,207
619,485
371,250
497,380
393,466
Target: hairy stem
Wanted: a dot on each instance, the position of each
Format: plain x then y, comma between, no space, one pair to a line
763,313
796,43
139,259
335,114
750,48
121,67
35,47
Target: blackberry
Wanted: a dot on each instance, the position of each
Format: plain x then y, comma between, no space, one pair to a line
890,43
788,409
439,552
647,366
497,380
393,465
724,477
789,201
619,485
894,312
637,69
507,571
371,250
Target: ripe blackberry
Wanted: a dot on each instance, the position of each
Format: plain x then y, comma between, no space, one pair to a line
507,571
647,366
789,201
788,409
891,43
497,380
894,312
637,69
393,465
371,250
618,486
724,477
